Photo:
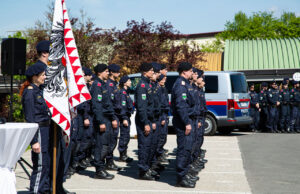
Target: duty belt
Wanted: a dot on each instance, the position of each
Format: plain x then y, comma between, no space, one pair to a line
44,124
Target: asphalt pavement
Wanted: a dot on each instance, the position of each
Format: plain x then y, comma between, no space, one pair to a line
272,162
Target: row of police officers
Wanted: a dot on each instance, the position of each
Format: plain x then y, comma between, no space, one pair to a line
276,110
96,128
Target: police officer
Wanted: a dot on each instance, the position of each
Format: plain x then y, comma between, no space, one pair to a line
112,86
144,120
284,96
124,112
165,108
181,104
36,111
104,121
254,108
273,100
263,104
156,165
295,106
85,136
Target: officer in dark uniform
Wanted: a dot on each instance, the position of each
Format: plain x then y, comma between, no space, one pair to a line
273,100
124,112
254,108
156,165
165,108
203,111
85,132
295,106
263,104
36,111
284,97
112,86
181,104
144,120
104,121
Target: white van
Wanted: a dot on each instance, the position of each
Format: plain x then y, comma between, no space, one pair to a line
227,100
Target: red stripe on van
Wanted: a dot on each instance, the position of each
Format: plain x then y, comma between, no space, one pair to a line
216,103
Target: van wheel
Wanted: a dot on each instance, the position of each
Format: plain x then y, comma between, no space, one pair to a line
225,130
210,125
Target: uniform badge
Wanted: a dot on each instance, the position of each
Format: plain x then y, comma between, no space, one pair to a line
271,95
39,97
144,96
99,97
124,92
112,96
150,85
142,85
99,84
111,84
182,83
184,96
123,103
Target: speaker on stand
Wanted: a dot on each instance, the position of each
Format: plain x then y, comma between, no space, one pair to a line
13,62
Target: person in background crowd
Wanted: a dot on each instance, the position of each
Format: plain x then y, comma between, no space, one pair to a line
273,100
254,108
263,104
295,107
124,112
284,96
112,86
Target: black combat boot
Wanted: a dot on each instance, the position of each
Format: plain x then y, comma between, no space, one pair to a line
103,174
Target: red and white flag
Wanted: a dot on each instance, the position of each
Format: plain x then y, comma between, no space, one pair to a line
65,85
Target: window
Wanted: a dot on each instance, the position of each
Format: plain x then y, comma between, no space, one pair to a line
211,84
238,83
170,82
134,82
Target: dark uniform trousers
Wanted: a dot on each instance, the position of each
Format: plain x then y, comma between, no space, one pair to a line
199,137
255,115
144,145
184,147
284,117
40,176
295,118
163,135
102,144
124,136
154,144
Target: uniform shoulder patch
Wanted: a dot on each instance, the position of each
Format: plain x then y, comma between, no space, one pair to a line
111,84
262,92
150,85
183,83
30,87
124,92
281,90
98,84
142,85
292,90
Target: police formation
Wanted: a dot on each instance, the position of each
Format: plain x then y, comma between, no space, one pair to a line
100,121
276,109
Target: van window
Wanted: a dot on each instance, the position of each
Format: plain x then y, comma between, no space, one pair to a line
211,84
238,83
170,82
134,82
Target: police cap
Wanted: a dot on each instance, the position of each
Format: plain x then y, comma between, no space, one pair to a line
146,67
43,46
35,69
184,66
200,73
163,66
114,68
100,68
160,77
87,71
264,84
156,67
124,79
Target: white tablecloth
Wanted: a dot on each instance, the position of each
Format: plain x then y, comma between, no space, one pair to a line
14,139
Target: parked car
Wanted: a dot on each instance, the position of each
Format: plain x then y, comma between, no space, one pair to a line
227,100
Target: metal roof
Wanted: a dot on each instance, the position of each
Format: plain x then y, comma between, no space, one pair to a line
266,54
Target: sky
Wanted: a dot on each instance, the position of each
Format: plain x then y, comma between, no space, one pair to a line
187,16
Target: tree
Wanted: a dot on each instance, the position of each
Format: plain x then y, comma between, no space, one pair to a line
261,25
145,42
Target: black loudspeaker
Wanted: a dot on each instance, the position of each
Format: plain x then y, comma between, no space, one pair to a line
13,56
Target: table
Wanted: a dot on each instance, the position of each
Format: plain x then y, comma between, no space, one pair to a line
14,139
